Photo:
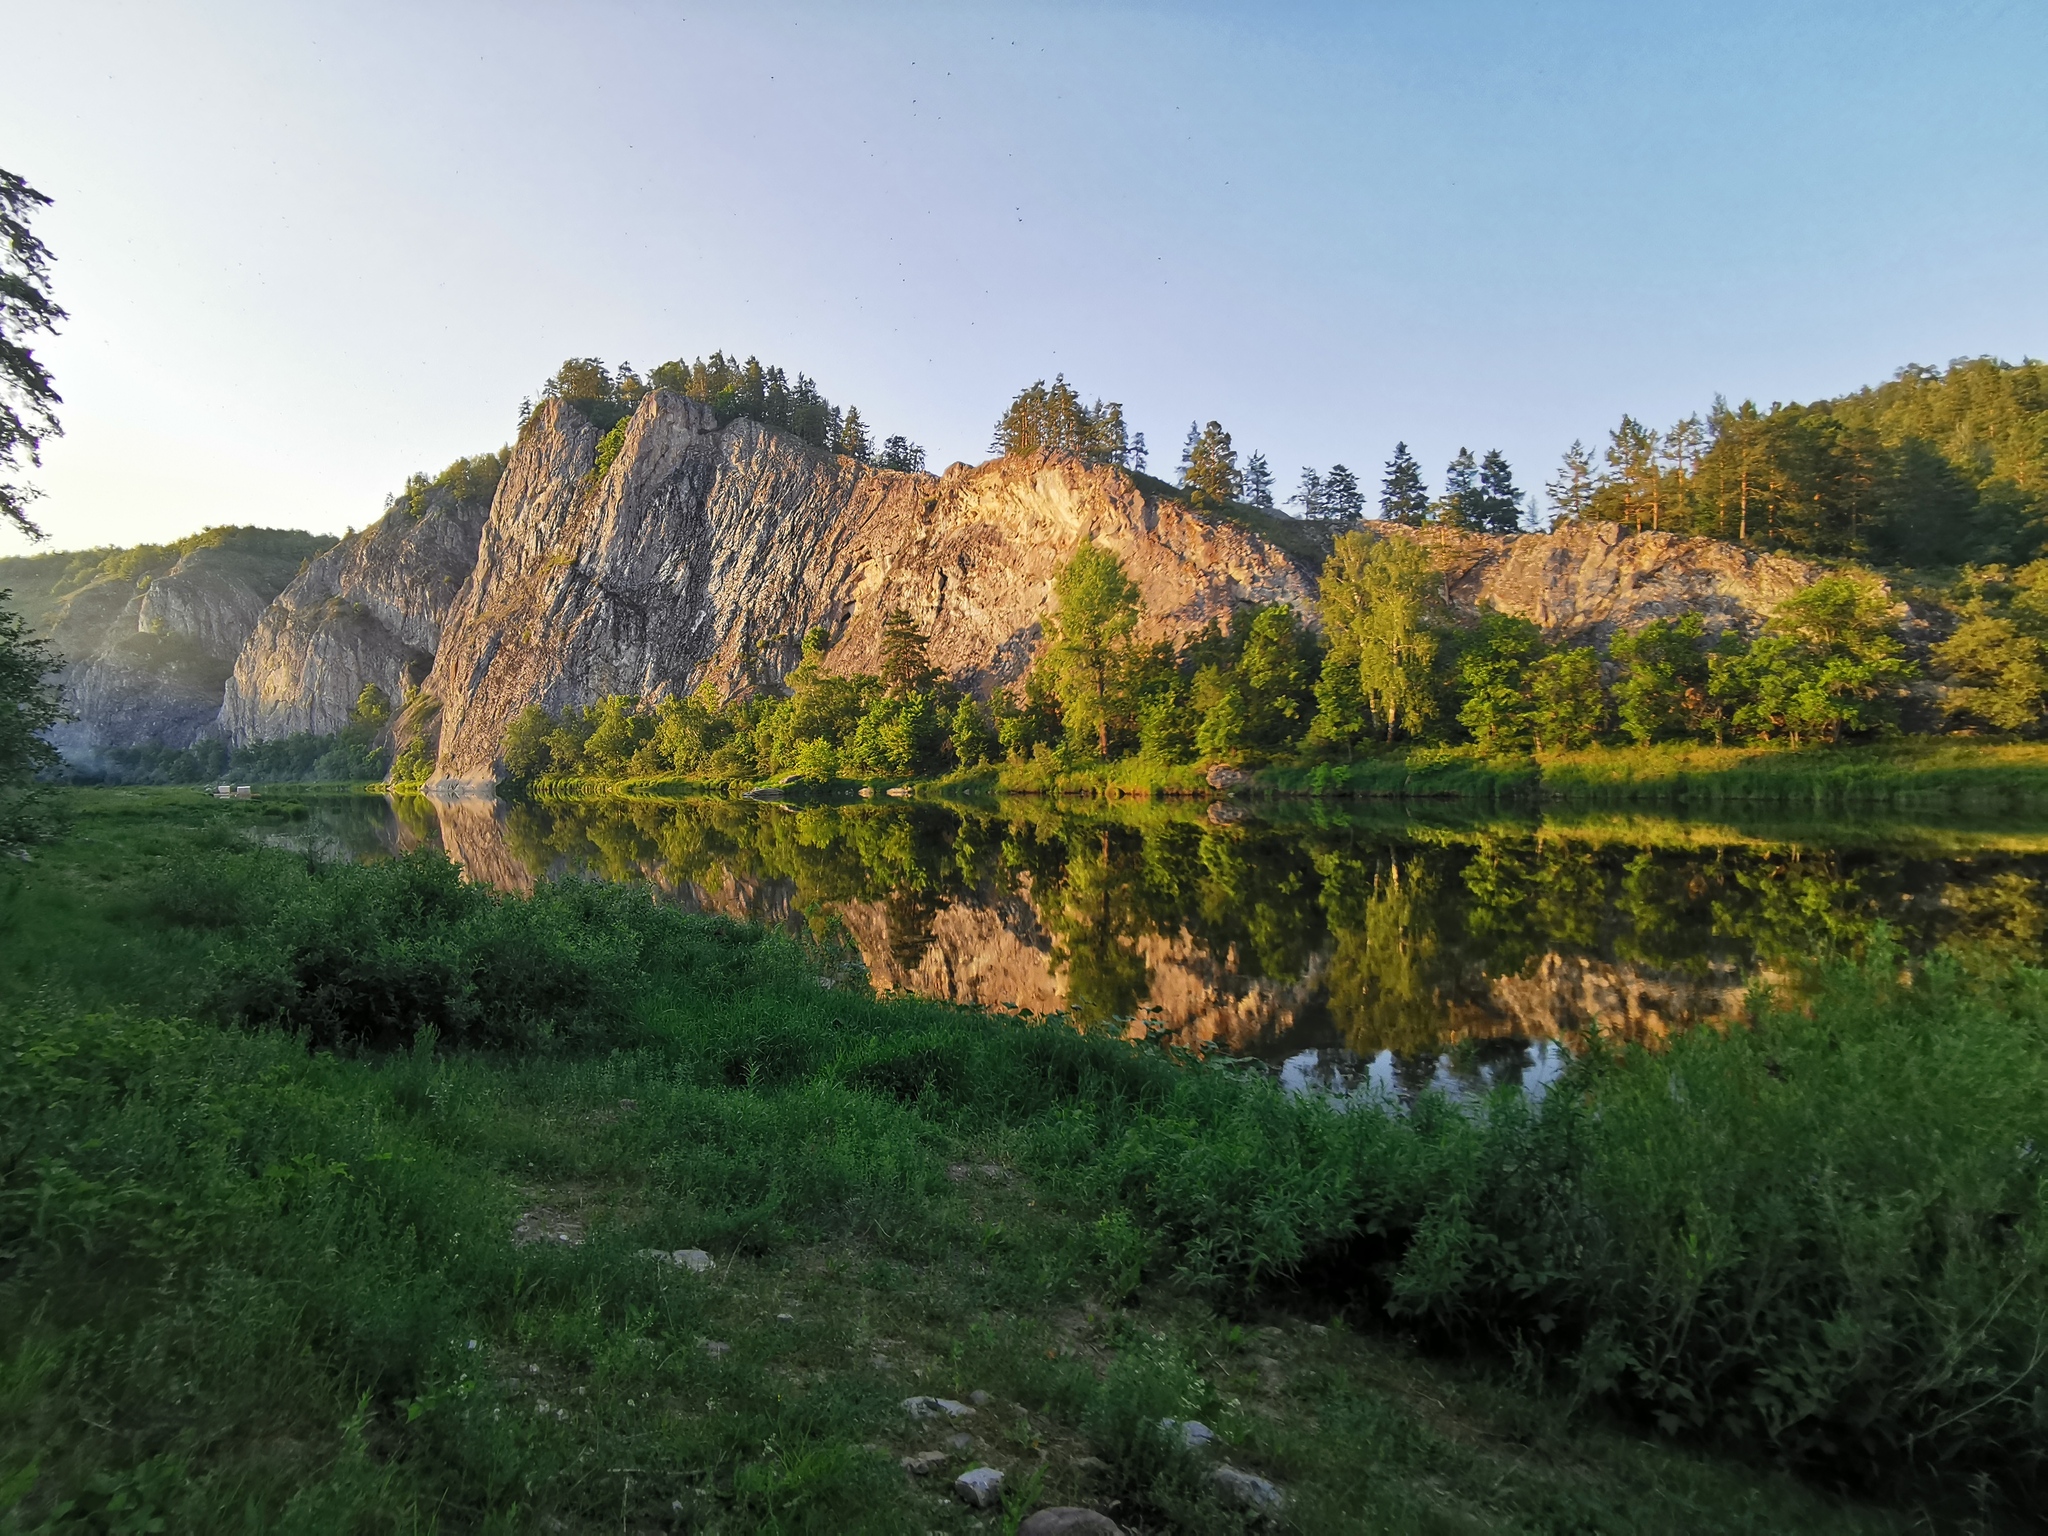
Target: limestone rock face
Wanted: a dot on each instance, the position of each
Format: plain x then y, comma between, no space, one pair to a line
702,555
369,610
149,635
1583,583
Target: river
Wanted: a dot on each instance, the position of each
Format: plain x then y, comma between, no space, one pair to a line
1351,944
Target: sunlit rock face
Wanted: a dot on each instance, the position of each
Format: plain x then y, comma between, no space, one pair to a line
1585,582
703,554
369,610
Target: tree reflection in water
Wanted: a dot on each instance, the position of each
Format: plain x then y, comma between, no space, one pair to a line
1399,947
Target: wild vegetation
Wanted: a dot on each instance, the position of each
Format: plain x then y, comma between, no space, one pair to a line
312,1220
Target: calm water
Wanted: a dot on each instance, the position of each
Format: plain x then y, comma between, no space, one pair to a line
1388,946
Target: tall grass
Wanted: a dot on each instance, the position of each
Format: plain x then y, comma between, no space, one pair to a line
240,1272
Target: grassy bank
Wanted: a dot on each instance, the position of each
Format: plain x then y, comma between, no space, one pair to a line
399,1278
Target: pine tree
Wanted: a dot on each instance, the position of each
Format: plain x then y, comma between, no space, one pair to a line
1138,455
1343,501
1403,496
1460,504
854,441
899,452
905,666
28,398
1571,489
1497,500
1258,482
1208,466
1310,497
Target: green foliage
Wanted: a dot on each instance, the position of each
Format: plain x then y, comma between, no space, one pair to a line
1383,612
29,705
1662,693
1933,468
28,398
1096,608
1567,704
1495,669
1042,420
1208,467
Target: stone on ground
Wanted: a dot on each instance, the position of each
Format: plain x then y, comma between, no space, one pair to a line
924,1463
1247,1490
936,1407
980,1489
1069,1520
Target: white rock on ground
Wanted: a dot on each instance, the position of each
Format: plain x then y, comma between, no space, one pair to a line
1193,1433
980,1489
936,1407
1247,1490
924,1463
696,1260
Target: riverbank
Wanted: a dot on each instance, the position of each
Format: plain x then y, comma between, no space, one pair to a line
405,1276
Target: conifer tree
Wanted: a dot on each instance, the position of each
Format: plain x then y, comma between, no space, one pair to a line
1497,501
1571,489
1403,496
854,440
1258,482
1460,504
1208,466
1343,501
28,399
899,452
1310,496
1097,608
905,666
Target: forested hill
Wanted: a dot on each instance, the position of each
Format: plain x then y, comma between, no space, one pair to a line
1935,468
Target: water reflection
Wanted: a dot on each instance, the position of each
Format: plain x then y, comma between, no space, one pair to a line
1352,948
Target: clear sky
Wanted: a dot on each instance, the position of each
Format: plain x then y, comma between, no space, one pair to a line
308,249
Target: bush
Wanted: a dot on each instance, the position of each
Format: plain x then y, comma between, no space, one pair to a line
373,955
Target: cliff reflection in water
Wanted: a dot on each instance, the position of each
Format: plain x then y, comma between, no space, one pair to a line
1374,933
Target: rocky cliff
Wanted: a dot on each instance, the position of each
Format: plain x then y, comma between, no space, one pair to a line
1584,583
702,555
369,610
149,635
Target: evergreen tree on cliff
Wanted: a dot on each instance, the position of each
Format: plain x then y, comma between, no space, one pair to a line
1208,466
1343,500
1258,482
1403,496
1570,490
28,399
905,666
1054,419
1460,504
1496,502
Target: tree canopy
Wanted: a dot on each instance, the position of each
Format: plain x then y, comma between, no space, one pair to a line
28,398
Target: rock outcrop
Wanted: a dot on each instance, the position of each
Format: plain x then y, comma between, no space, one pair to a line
369,610
149,635
1587,581
703,554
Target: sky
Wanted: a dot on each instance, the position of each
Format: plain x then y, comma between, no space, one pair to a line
308,249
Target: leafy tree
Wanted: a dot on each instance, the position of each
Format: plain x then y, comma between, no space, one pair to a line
28,398
1208,467
1663,688
1276,677
973,738
1834,663
525,749
1258,482
1096,609
1571,489
1343,501
1383,612
905,666
1998,674
29,705
1403,496
1567,705
1494,670
1496,502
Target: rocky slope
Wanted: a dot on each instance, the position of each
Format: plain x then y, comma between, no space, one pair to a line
703,555
149,635
1584,582
369,610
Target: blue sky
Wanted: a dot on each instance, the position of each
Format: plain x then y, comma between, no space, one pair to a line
310,249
